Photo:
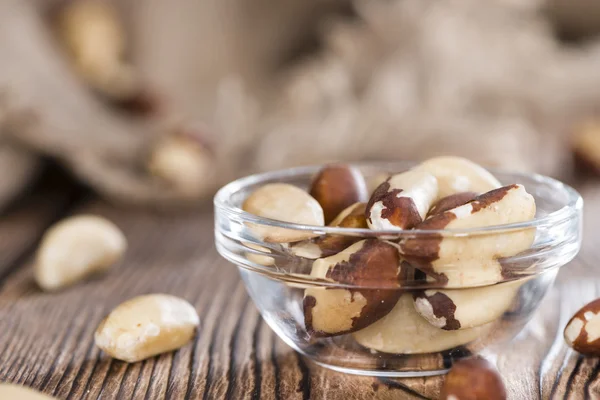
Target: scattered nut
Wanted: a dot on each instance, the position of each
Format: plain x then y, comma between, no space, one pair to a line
75,248
337,187
14,392
145,326
473,379
328,245
183,161
457,174
403,331
582,333
449,202
95,39
586,147
331,311
466,308
463,260
283,202
402,201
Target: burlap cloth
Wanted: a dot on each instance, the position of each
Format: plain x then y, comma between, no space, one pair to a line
277,84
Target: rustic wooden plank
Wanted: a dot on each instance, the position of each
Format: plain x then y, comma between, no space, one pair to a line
47,339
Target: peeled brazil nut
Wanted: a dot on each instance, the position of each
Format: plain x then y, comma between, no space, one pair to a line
328,245
452,201
145,326
582,333
440,256
457,174
336,311
473,379
76,248
287,203
17,392
256,256
404,331
465,308
402,201
337,187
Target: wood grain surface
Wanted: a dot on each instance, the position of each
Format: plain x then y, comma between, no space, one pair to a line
46,340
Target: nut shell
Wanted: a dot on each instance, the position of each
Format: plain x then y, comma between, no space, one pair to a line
333,311
582,333
336,187
473,379
283,202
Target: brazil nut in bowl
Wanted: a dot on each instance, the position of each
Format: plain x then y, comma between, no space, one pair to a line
397,269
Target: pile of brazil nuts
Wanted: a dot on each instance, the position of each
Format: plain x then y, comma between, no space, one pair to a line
473,287
85,245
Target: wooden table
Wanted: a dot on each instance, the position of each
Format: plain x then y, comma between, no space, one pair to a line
46,340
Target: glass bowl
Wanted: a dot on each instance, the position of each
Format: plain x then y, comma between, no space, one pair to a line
379,327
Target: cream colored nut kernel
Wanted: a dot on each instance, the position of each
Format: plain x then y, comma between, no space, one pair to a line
466,308
75,248
287,203
404,331
402,201
457,174
438,255
582,333
257,258
145,326
17,392
182,161
369,263
473,379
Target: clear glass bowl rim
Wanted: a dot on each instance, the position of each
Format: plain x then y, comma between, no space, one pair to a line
570,210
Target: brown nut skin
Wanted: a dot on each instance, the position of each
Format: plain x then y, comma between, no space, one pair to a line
449,202
402,201
336,187
328,245
582,333
331,311
473,379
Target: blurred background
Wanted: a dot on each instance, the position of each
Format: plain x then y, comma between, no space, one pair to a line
160,103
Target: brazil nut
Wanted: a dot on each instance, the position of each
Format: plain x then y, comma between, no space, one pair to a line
465,308
336,187
402,201
457,174
441,256
287,203
330,311
582,333
404,331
